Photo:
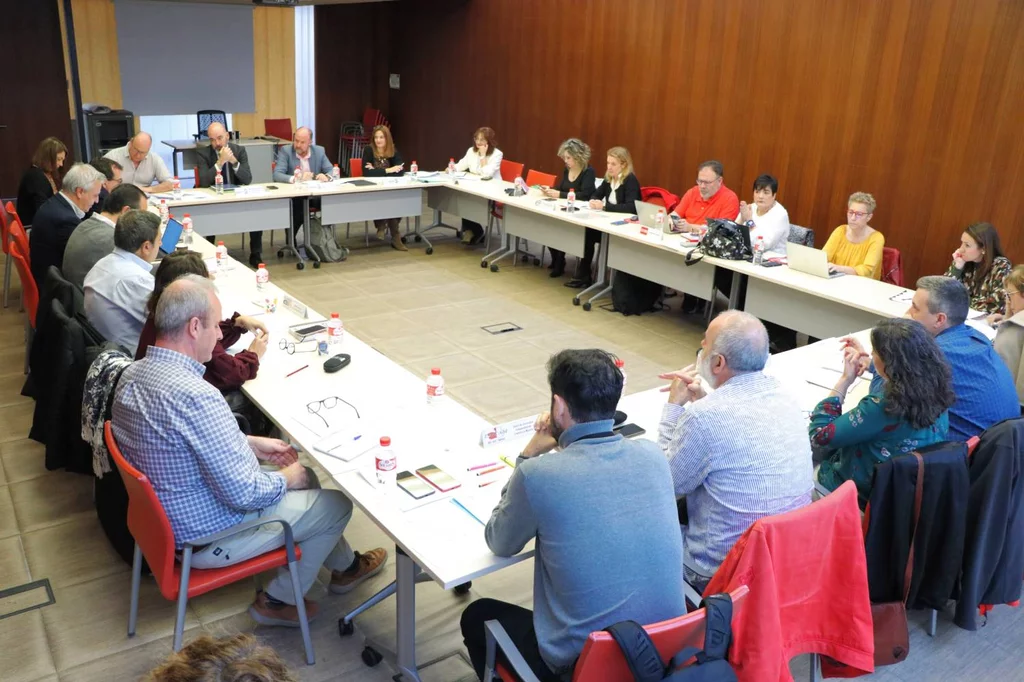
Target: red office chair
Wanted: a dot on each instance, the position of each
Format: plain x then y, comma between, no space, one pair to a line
892,266
509,170
601,659
355,170
5,238
16,233
154,539
356,137
278,127
195,175
29,290
535,177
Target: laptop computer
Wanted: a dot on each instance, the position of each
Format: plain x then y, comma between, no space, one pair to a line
647,213
812,261
172,235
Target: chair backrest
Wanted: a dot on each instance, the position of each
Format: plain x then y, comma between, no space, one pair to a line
29,290
207,116
370,117
355,168
535,177
147,520
195,175
892,266
278,127
510,170
602,661
801,235
15,227
5,230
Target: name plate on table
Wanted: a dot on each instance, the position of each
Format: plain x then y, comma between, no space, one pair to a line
296,307
250,190
513,430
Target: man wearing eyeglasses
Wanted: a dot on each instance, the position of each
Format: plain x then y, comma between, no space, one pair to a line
112,172
141,166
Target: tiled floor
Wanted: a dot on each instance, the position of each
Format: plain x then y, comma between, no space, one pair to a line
422,311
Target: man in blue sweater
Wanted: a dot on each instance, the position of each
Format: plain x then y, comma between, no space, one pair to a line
603,514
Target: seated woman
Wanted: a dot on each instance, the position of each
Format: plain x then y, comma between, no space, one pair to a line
856,248
579,176
766,217
381,159
483,159
42,180
909,413
980,264
1009,341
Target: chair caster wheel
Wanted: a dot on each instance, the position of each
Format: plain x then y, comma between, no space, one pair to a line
536,261
345,629
300,266
586,306
483,264
575,300
316,265
430,250
371,657
463,589
418,238
458,234
494,267
280,254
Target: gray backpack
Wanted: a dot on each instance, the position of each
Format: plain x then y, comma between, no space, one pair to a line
324,244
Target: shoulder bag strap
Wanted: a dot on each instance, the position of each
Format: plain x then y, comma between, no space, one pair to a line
639,651
717,625
908,572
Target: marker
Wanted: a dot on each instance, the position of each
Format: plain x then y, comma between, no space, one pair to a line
487,483
481,466
506,460
489,471
463,508
296,371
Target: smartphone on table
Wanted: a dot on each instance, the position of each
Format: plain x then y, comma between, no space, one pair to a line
414,485
437,478
629,430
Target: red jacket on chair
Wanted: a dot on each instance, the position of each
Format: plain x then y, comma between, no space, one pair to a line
808,585
659,195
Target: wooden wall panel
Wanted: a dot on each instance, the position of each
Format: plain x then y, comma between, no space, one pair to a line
274,46
99,70
915,101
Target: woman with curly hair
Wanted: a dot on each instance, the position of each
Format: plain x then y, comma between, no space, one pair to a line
908,414
234,658
578,176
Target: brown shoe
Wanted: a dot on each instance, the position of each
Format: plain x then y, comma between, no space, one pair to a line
382,232
370,564
396,243
283,615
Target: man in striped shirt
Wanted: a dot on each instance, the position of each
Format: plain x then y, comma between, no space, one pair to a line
738,452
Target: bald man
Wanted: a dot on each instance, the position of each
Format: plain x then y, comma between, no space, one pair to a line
313,164
224,156
141,166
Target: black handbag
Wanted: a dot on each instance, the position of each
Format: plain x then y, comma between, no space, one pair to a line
724,239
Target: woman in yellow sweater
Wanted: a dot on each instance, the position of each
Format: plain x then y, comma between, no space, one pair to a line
856,248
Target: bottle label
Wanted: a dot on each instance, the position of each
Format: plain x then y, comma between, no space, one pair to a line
435,390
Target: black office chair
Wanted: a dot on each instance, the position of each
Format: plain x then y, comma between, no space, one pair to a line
207,116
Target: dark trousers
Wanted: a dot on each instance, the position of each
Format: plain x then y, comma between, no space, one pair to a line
298,219
583,270
474,228
518,623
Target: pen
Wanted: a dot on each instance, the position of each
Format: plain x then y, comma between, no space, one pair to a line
296,371
487,483
463,508
506,460
489,471
481,466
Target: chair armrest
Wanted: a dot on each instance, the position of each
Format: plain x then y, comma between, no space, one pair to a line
691,594
289,539
496,635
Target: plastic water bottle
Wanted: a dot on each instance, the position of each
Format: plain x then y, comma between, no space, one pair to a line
451,166
659,221
435,386
222,255
298,174
165,213
186,229
335,173
335,330
759,250
413,169
218,183
262,277
621,365
176,188
386,464
571,197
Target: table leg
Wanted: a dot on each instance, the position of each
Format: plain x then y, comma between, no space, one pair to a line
420,236
734,292
405,637
602,268
439,222
310,253
174,161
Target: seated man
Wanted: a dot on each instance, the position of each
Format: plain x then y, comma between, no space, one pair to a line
739,453
58,217
604,519
141,166
93,239
312,163
112,172
232,162
984,388
118,286
176,428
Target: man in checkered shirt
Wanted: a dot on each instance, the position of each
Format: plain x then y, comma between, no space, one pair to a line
177,429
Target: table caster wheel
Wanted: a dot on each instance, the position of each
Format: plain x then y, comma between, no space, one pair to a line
345,629
418,239
494,267
586,306
371,657
316,265
483,264
280,254
300,266
575,300
463,589
458,234
430,250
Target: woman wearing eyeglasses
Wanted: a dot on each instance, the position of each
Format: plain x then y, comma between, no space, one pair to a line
980,264
1009,341
856,248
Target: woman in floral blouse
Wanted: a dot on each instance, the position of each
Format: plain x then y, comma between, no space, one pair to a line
909,414
980,264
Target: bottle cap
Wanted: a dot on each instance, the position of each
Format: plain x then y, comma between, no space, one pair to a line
263,266
435,371
385,441
335,165
187,215
414,160
619,362
334,316
220,243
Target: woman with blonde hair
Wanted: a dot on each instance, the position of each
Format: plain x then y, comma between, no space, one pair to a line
381,159
1009,341
856,248
483,159
42,180
578,176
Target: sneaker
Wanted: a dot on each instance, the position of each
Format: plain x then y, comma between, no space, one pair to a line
577,284
265,612
370,564
467,237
